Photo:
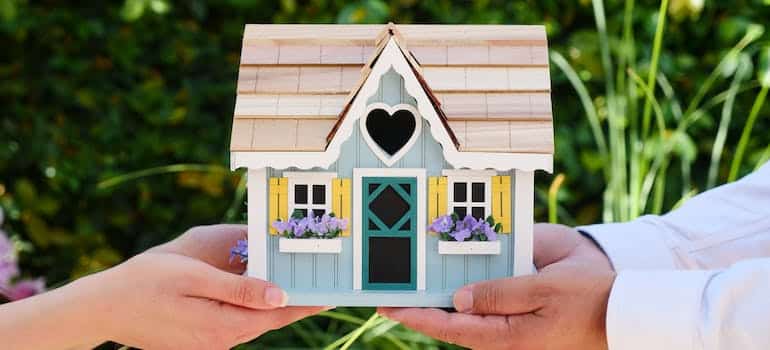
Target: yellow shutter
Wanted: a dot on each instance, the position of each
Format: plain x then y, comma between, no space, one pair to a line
341,201
437,203
278,202
501,201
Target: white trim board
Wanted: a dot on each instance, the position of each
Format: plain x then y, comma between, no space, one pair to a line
358,175
310,245
469,248
468,172
392,56
471,160
524,202
256,187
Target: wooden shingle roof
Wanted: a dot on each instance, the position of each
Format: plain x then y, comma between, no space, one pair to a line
491,82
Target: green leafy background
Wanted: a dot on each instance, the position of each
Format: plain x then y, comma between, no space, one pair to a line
94,93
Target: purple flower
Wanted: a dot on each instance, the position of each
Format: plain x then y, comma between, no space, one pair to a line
320,225
24,289
325,226
8,267
240,250
461,235
300,227
468,223
487,230
281,226
442,224
9,270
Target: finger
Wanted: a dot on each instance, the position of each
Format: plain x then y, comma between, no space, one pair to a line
472,331
238,324
210,244
253,323
235,289
507,296
552,243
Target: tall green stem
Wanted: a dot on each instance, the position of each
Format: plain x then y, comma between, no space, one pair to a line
724,123
653,71
744,141
640,164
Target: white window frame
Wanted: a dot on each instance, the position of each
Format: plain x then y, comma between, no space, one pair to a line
310,179
469,177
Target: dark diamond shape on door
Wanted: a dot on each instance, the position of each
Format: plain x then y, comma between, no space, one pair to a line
389,207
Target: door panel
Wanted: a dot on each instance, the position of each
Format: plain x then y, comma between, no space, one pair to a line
389,233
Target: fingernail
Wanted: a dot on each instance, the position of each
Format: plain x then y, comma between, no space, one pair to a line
276,297
463,299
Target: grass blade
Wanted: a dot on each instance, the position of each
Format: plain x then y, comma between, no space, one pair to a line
653,70
753,33
240,192
342,317
553,193
585,101
744,140
360,330
763,158
166,169
727,112
661,122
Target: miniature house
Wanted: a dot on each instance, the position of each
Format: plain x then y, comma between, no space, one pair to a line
390,127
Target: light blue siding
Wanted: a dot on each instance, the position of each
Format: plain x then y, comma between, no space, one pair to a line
328,278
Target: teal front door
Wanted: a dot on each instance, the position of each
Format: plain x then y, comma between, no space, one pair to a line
389,223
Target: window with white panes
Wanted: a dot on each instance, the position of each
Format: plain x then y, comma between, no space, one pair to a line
469,193
310,193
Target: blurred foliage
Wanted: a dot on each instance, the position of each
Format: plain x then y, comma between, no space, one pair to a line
94,92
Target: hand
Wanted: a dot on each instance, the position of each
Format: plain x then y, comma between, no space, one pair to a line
177,296
184,294
562,307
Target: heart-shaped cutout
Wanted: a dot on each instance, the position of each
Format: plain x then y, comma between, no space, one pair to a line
390,131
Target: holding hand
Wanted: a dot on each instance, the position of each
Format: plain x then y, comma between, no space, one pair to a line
562,307
182,295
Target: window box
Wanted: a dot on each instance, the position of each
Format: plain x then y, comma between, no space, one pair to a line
469,248
310,245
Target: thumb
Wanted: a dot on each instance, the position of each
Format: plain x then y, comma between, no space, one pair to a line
239,290
507,296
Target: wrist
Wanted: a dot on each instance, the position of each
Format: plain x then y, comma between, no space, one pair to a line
606,291
84,301
594,250
62,318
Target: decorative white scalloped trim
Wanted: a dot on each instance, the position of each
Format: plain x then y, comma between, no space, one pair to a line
385,157
469,160
391,56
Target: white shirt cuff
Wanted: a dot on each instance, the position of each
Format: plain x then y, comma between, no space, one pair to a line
655,309
638,244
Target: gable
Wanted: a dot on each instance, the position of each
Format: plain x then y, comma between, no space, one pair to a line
390,58
490,82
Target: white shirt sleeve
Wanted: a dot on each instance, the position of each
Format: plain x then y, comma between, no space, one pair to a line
653,306
712,230
696,309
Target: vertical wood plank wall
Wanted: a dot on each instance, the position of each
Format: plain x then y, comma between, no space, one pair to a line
335,271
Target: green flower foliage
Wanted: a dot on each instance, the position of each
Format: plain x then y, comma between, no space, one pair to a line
116,118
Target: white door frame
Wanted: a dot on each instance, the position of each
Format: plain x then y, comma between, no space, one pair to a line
358,175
